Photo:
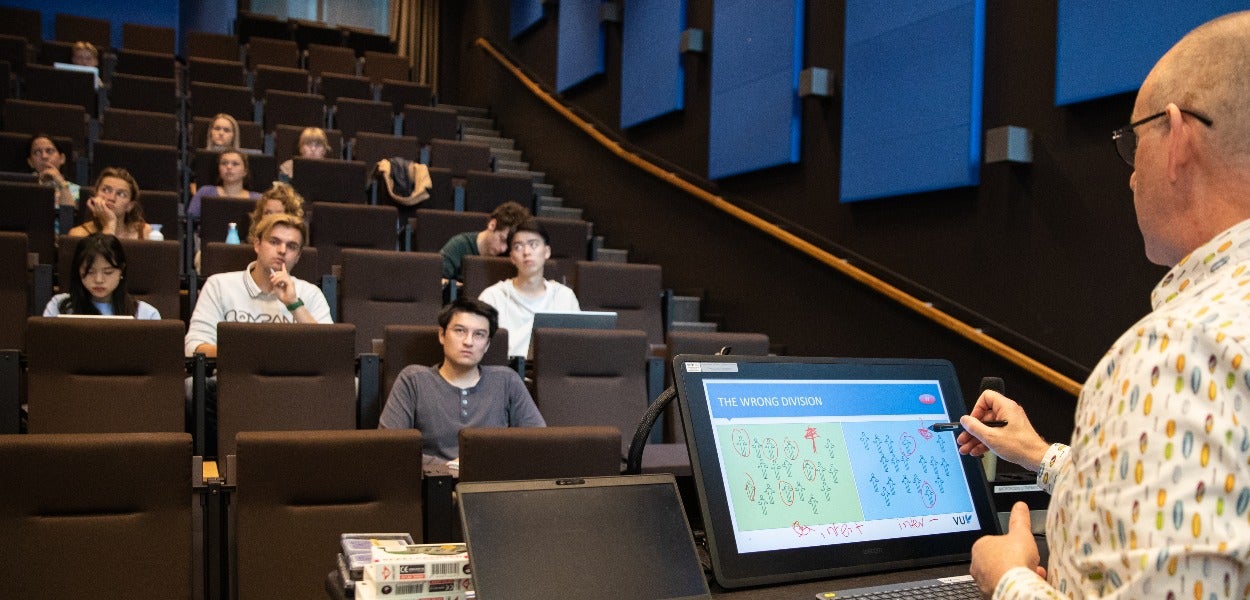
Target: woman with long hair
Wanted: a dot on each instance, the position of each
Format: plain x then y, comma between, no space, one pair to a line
115,208
99,287
232,179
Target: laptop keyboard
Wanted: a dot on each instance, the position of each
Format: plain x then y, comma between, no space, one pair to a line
963,589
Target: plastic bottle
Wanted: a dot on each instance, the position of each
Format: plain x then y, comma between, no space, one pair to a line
232,236
156,234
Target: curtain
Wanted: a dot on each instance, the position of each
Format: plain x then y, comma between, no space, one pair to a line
414,27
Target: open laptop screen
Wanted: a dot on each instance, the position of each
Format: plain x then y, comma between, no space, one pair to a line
598,537
821,467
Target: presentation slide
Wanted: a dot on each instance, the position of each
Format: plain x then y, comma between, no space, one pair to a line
809,463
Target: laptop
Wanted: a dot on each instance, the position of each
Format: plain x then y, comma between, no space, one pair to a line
812,468
622,537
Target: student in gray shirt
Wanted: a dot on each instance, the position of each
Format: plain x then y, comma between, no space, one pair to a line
442,399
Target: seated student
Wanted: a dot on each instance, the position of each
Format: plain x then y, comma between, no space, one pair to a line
223,134
313,143
442,399
492,241
517,299
280,198
232,179
264,292
100,288
85,54
115,208
46,160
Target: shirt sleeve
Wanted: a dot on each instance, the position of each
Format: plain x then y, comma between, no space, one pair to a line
316,303
203,326
401,405
147,312
1056,460
193,208
53,308
1020,583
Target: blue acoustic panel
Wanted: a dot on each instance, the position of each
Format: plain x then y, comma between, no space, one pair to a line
652,76
1106,47
579,49
911,106
757,53
524,15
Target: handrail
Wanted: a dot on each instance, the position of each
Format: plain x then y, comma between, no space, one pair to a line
874,283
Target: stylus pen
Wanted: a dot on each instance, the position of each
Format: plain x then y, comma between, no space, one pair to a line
956,427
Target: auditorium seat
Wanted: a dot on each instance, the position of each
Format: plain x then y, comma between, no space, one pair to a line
334,86
162,208
331,59
140,126
204,168
380,66
105,375
402,93
99,516
221,72
434,227
331,180
460,157
405,345
28,210
153,167
432,123
703,342
364,41
75,28
511,453
337,226
633,291
291,108
485,190
56,51
387,287
15,149
217,213
208,99
372,147
287,79
32,117
150,64
443,190
15,51
273,52
296,492
46,84
148,38
14,294
217,46
137,92
22,22
284,377
352,115
315,33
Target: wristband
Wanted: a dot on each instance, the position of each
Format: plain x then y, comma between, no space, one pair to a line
295,305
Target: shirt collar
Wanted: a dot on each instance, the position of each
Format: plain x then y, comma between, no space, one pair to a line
1230,246
253,290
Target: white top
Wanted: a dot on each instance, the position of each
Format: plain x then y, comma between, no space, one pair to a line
234,296
516,313
145,310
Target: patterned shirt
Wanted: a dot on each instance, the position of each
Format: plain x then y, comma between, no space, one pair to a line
1151,499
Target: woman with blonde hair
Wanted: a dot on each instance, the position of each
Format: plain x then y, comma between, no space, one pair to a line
223,133
115,208
279,199
313,143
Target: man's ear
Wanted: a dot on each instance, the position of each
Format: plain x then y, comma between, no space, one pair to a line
1180,142
442,336
491,225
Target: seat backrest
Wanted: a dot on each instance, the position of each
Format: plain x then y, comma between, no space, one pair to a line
372,147
284,377
403,93
380,66
286,142
336,226
481,272
267,51
591,377
315,33
161,208
105,375
251,137
137,92
405,345
139,126
331,59
364,40
331,180
431,123
121,499
288,79
14,49
151,64
442,190
74,28
257,25
219,46
14,291
55,51
292,108
209,99
28,210
151,271
212,70
217,213
65,120
148,38
22,22
570,238
334,86
15,150
485,190
262,167
220,257
633,291
384,287
47,84
703,342
352,115
434,227
309,487
510,453
154,167
460,157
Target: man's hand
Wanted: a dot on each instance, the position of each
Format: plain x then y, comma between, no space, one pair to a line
994,555
283,286
1017,442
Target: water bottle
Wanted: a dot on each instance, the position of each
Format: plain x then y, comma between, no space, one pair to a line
232,236
156,234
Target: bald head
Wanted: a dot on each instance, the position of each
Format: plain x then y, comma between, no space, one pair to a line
1208,71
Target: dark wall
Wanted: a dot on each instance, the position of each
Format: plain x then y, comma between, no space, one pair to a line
1046,257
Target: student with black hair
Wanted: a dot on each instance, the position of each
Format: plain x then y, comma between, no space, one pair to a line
100,287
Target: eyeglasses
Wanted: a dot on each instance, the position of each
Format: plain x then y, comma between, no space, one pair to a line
1125,138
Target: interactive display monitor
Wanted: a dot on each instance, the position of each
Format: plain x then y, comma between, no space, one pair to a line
818,467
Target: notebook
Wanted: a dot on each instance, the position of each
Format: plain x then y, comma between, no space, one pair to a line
819,467
620,537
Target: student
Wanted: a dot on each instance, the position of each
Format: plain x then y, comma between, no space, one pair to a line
313,143
84,54
459,392
1149,498
492,241
100,287
46,160
518,298
232,178
280,198
115,208
223,133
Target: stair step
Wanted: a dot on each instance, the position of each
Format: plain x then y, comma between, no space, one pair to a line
537,176
467,129
702,326
501,154
560,212
476,122
511,165
544,189
493,142
468,111
550,201
614,255
686,308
